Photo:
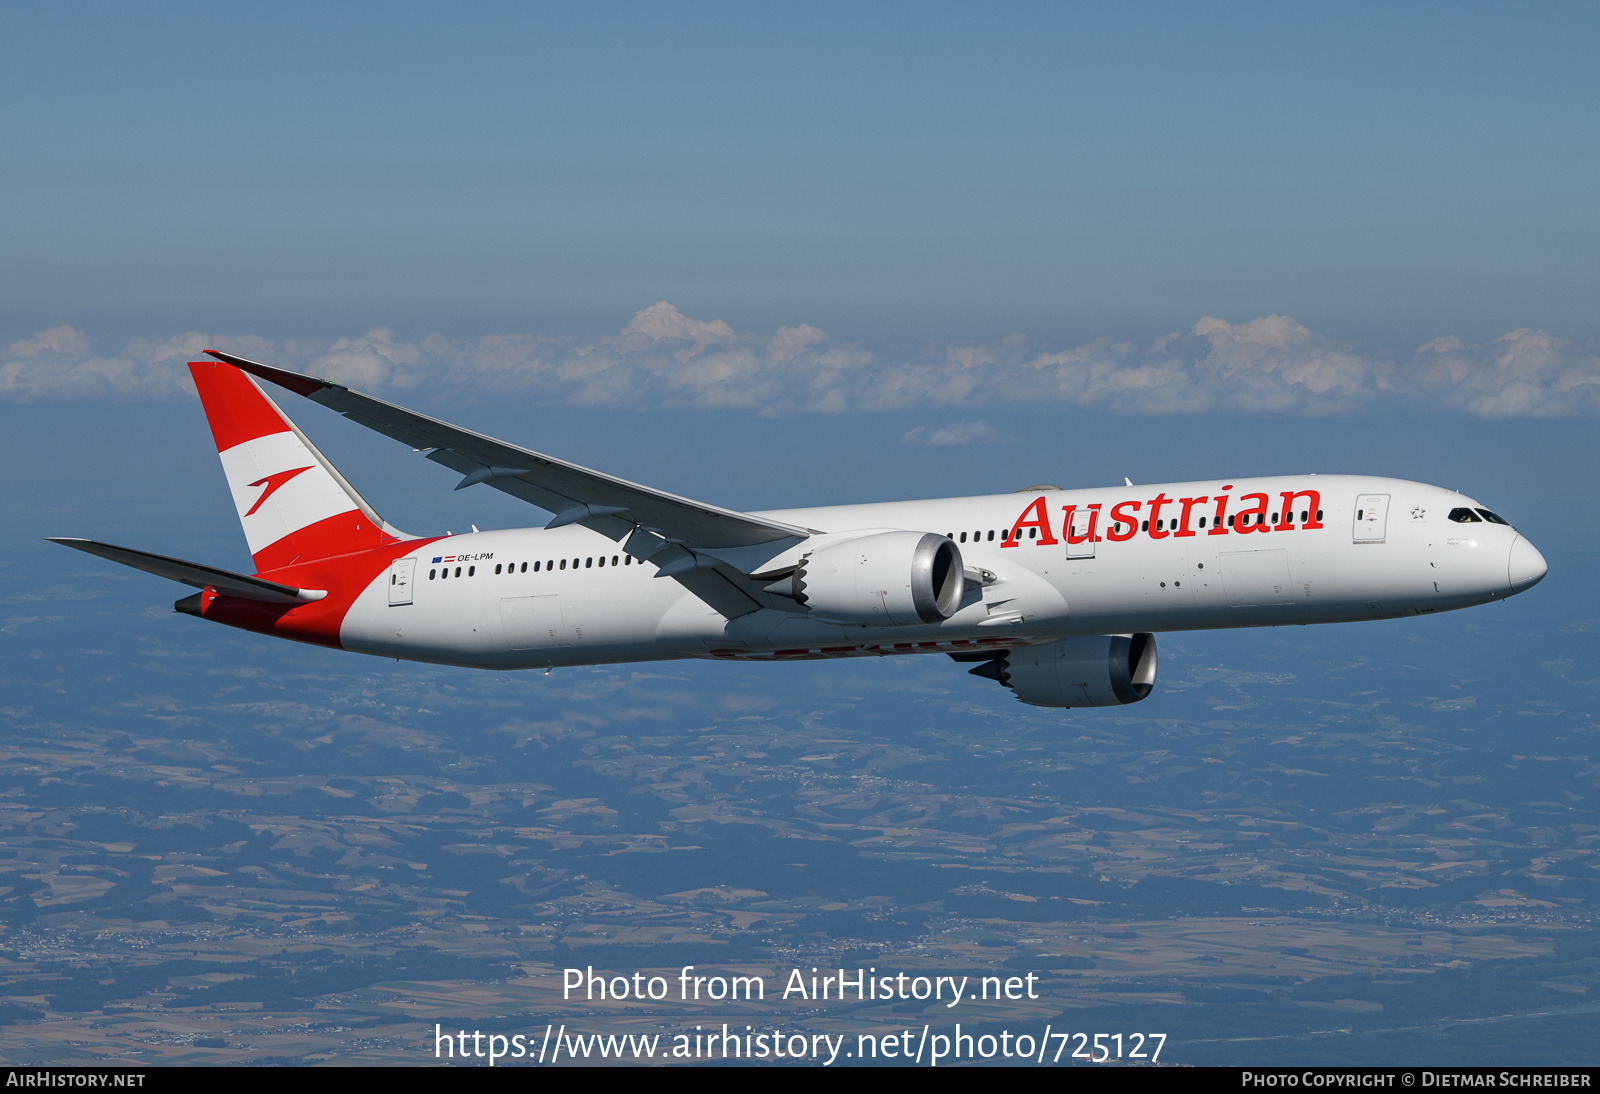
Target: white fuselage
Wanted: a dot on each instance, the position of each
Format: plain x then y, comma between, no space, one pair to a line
600,607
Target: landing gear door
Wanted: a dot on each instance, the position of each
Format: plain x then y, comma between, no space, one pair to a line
1372,518
400,575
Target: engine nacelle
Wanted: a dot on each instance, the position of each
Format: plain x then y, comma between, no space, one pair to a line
886,579
1102,670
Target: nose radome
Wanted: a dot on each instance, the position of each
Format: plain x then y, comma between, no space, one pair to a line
1526,566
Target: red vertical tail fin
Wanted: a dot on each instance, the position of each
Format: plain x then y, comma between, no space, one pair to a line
294,505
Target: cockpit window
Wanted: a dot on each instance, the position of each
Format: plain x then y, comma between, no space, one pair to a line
1465,516
1493,518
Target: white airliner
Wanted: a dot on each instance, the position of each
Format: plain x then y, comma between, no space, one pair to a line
1053,593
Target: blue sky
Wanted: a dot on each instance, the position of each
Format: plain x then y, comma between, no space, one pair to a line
989,239
897,176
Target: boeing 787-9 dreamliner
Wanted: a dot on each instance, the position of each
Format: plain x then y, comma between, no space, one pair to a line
1055,594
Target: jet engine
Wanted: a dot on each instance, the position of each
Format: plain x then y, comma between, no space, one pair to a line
1102,670
884,579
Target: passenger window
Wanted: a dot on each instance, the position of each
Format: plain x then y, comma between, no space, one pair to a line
613,560
1230,520
1319,516
525,567
627,560
430,574
588,563
1202,522
1494,519
1304,514
602,562
472,571
991,535
496,567
1033,533
535,567
563,564
1144,526
458,571
963,537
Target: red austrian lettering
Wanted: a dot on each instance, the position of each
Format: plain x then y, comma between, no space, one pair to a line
1156,531
1313,508
1081,530
1034,516
1253,519
1183,521
1218,528
1121,516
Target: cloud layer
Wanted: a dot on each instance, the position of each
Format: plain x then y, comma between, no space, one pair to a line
663,358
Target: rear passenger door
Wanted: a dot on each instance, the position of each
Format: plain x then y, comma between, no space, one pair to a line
400,575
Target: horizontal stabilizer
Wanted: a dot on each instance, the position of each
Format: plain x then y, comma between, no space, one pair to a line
193,573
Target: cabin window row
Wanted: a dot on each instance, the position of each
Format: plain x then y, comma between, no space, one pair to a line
978,537
1247,519
588,563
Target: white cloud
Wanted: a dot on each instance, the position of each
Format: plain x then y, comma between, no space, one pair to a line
59,364
54,340
663,358
955,433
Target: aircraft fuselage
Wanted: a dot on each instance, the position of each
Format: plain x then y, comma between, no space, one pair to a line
532,597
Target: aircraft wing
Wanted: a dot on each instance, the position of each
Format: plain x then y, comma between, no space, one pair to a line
194,573
660,526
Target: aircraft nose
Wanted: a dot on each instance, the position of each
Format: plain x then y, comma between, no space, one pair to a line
1526,566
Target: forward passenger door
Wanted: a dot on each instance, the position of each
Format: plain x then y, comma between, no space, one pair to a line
1372,518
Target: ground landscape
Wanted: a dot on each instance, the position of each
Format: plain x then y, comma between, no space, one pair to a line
1341,844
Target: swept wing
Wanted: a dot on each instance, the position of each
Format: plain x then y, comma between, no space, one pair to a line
663,527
